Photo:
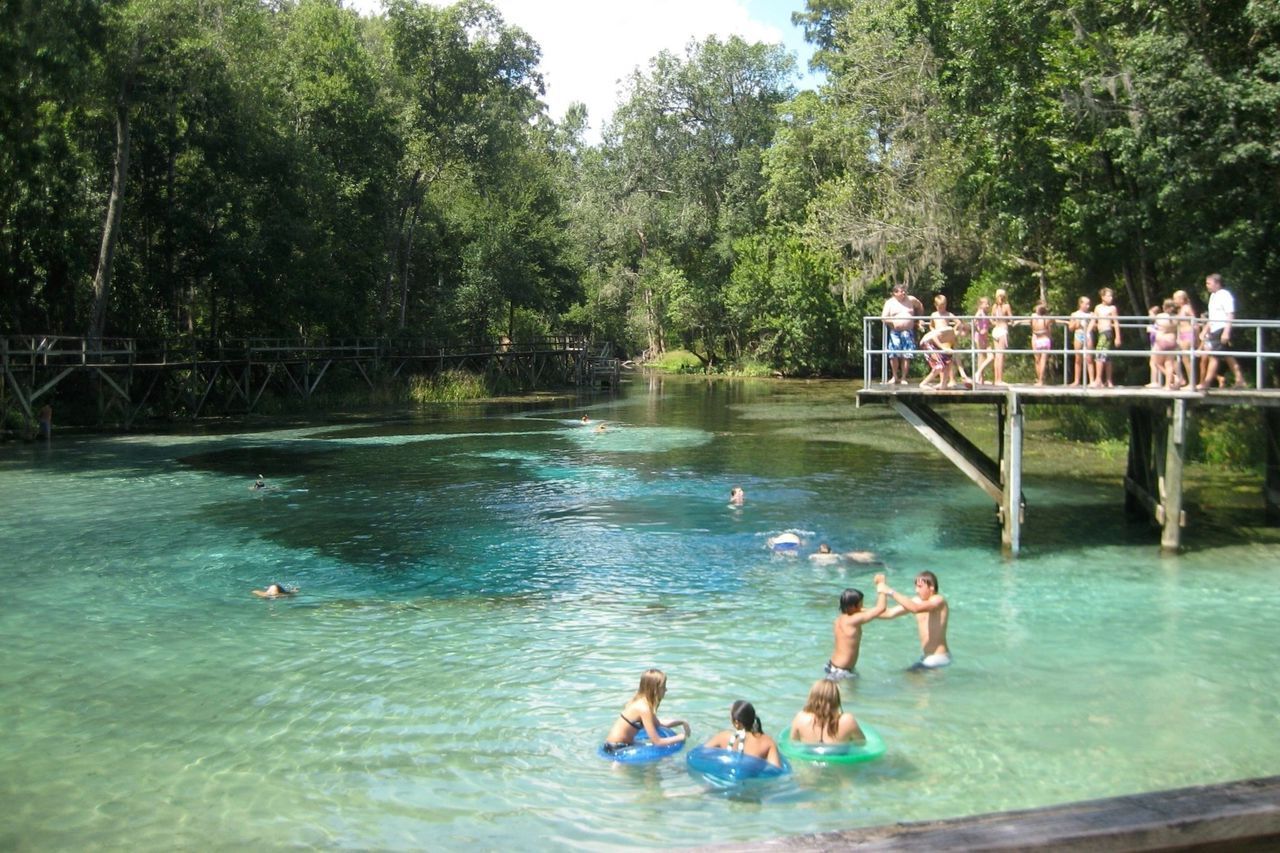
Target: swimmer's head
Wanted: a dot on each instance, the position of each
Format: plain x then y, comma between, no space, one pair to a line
824,702
743,714
653,685
930,580
824,548
850,600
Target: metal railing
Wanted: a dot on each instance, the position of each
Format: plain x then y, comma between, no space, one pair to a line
31,351
1249,343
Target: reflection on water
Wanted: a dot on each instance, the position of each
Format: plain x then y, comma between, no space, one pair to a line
480,593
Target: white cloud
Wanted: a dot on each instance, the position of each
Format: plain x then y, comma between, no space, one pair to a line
590,46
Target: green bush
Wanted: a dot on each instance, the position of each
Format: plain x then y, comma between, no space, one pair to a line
449,386
1233,438
679,361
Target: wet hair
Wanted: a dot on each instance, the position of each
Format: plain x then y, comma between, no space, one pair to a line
850,600
824,548
929,578
744,714
650,689
824,704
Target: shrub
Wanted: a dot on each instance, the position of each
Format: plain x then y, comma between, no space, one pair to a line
449,386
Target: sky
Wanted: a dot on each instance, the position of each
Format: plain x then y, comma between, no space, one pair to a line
589,46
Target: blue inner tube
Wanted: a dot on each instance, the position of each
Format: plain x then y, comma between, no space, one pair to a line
731,766
642,750
834,753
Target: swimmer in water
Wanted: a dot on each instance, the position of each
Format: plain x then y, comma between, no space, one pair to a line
737,497
586,420
601,428
847,631
275,590
785,543
931,612
258,484
825,555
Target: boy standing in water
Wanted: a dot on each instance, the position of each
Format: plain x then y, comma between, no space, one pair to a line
848,631
931,613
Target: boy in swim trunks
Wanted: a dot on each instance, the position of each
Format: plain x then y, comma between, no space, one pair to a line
931,613
848,631
1107,324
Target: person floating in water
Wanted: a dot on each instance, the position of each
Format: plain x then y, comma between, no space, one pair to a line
823,720
785,543
747,735
931,612
640,714
601,428
824,555
737,497
275,590
258,484
586,420
847,631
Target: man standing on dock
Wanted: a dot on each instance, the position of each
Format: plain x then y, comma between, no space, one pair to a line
899,321
1222,310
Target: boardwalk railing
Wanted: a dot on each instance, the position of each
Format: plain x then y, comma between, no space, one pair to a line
129,370
1253,344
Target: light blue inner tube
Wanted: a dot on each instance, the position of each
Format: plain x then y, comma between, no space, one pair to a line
731,766
642,749
834,753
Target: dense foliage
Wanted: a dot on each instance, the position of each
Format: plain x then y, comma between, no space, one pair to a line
241,167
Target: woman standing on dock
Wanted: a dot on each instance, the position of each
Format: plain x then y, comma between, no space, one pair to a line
1000,332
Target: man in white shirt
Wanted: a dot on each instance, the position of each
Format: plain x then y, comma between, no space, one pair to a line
1222,310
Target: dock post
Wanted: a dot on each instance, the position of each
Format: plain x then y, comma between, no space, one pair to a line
1175,448
1011,476
1271,478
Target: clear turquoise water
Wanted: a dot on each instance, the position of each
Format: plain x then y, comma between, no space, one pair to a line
480,593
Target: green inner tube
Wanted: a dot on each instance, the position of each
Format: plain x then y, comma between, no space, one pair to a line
834,753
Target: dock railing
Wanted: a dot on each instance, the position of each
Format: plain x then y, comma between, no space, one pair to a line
1252,344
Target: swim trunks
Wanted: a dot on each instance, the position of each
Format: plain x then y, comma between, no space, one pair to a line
934,661
1215,342
1081,336
836,673
612,747
901,343
1103,345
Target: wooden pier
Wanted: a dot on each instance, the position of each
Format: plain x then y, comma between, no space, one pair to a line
232,375
1158,428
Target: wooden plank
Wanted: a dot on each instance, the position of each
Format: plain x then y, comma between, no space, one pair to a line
966,456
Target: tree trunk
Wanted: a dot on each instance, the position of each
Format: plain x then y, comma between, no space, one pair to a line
408,258
111,227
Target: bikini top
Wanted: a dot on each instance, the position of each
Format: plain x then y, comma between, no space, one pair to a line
635,724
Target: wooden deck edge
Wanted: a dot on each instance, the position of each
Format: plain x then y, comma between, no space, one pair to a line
1241,815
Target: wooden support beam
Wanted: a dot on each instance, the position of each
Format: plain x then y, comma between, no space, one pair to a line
1271,476
966,456
1171,515
1011,476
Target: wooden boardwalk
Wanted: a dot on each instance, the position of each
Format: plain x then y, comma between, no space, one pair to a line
1158,424
194,375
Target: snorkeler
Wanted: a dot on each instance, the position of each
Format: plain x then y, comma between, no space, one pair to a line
275,590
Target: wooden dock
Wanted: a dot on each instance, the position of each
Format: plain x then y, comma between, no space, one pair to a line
1158,427
193,375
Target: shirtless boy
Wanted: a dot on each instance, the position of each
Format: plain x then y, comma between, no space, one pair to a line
1107,324
931,613
848,630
